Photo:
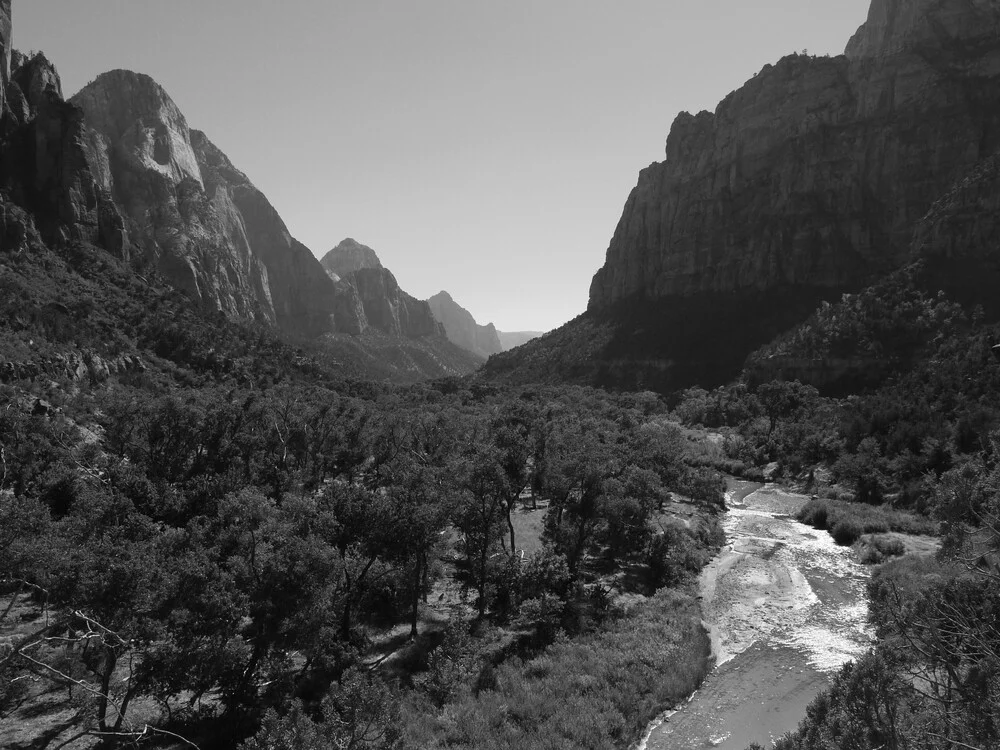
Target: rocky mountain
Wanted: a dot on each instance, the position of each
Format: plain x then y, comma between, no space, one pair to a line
369,298
462,328
194,216
807,182
347,257
118,168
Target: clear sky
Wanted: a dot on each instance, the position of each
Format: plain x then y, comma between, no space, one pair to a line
485,147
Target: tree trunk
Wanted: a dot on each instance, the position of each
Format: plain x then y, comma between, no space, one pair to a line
110,661
482,582
416,597
510,525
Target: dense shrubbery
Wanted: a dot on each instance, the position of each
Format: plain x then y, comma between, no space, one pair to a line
855,519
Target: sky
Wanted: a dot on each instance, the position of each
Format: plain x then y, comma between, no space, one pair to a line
483,147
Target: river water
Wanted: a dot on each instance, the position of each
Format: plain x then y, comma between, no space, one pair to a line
786,607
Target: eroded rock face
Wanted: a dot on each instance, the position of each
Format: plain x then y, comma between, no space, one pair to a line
818,169
462,329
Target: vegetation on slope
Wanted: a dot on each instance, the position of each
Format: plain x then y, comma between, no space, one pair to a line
210,533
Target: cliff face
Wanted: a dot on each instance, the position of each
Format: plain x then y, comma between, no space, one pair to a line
300,294
817,170
44,170
462,328
142,148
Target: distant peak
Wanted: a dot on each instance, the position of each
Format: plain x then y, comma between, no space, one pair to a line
349,256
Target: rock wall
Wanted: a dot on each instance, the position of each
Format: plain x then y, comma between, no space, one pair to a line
818,169
43,162
462,329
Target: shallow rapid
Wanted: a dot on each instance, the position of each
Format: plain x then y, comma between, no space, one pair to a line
786,608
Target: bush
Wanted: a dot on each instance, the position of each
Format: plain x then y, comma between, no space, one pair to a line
847,531
815,514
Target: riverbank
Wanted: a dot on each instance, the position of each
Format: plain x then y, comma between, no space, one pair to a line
785,607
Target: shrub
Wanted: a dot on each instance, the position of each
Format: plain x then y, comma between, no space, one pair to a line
847,531
815,514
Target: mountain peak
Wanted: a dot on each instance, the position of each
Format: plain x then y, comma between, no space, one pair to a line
350,256
133,109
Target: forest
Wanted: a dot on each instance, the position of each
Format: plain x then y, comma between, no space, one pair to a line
224,541
213,537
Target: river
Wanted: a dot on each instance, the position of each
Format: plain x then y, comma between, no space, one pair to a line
786,607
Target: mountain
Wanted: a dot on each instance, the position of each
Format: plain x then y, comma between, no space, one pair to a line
118,166
194,216
807,182
462,328
347,257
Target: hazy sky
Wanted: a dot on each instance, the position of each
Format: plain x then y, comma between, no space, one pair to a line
485,147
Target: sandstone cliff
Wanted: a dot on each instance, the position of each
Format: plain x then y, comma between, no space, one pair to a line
817,170
462,328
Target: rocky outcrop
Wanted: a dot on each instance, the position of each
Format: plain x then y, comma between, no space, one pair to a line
462,329
73,366
817,170
347,257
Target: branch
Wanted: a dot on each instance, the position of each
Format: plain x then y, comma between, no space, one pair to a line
953,742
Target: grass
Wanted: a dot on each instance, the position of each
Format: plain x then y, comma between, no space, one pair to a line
528,527
593,693
848,522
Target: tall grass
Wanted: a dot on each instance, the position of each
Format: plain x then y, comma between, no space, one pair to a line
595,693
848,522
